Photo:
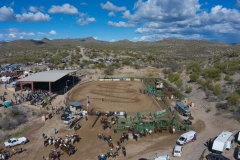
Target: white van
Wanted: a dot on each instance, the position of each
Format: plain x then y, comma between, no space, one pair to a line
187,137
224,141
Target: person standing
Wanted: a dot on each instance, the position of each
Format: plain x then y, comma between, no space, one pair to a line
55,131
86,118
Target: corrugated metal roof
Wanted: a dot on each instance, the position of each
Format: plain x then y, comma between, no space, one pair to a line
47,76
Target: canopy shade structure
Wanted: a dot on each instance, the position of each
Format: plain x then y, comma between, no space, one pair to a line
47,76
76,104
7,103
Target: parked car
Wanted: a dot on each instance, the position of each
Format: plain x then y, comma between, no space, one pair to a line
238,152
69,119
177,151
215,156
64,116
15,141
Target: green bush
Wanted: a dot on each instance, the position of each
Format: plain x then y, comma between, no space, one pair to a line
212,73
233,98
217,89
208,110
188,89
194,77
228,78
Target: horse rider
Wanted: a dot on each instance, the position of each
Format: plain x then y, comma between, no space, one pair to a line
123,149
102,136
110,141
123,138
111,151
43,135
55,153
71,149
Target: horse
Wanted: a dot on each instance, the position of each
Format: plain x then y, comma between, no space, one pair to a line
16,151
46,142
115,154
99,136
135,137
110,145
117,147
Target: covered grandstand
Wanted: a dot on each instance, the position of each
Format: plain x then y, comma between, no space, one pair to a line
53,80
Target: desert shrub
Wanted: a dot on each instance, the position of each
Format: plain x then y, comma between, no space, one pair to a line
7,123
173,77
194,77
232,109
233,98
208,110
194,67
109,70
188,89
179,83
101,65
228,78
212,73
217,89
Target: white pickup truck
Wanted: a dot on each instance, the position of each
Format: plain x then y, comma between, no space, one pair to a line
15,141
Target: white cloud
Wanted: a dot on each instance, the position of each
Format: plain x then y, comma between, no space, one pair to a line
111,14
27,33
238,3
64,9
41,33
182,19
53,32
120,24
12,35
83,4
12,4
21,37
111,7
112,40
7,14
85,21
90,19
32,17
1,35
11,30
95,38
33,9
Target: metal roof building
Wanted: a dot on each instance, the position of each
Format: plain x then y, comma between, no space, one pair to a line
46,76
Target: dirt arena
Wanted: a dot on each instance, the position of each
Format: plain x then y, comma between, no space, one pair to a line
118,96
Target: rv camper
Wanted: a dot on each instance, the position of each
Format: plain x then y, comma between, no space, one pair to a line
224,141
182,109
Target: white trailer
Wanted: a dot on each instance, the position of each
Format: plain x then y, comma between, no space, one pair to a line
224,141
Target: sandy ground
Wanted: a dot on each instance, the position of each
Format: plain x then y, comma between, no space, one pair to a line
118,96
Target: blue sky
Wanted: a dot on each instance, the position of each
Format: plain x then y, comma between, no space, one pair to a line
113,20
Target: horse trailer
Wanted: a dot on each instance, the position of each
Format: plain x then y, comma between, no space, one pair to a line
224,141
182,109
